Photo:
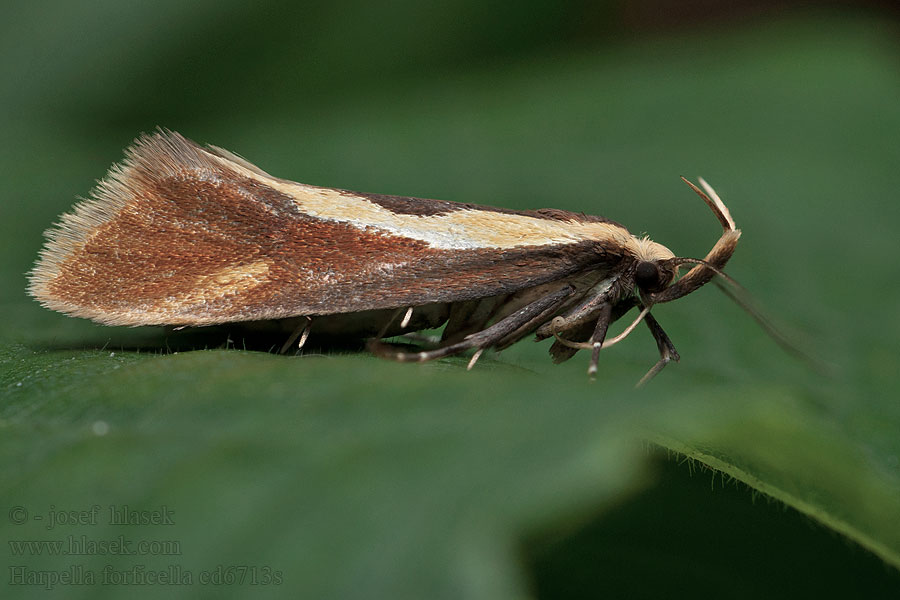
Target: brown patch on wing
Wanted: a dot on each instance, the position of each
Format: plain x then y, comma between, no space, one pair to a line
557,214
425,207
406,205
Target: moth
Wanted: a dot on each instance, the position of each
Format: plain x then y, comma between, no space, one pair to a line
183,235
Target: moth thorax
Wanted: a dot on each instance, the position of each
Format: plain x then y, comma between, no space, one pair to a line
647,250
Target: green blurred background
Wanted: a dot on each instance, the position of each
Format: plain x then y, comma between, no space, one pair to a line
791,110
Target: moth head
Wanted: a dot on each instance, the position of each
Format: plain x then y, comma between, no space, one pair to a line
653,277
653,271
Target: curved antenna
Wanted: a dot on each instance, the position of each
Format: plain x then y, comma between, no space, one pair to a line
714,202
718,256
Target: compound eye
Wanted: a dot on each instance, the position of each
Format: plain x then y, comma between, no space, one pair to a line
647,276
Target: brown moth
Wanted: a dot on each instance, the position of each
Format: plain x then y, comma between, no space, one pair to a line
183,235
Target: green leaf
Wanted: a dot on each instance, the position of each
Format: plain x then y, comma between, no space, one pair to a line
335,474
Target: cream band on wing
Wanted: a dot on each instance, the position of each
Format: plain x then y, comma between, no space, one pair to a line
458,230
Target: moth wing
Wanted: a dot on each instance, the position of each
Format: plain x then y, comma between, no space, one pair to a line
181,235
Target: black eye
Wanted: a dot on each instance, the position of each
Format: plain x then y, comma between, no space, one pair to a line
647,276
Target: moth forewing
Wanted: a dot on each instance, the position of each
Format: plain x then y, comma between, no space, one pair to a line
182,235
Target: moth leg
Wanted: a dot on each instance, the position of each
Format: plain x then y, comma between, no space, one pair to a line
599,335
474,359
667,351
517,334
302,332
470,316
486,337
430,340
413,336
582,331
583,314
